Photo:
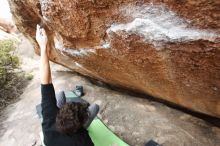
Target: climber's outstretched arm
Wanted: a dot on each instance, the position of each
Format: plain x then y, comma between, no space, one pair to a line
48,101
45,72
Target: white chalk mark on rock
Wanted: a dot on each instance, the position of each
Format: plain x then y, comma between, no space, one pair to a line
78,65
106,45
58,42
79,52
158,25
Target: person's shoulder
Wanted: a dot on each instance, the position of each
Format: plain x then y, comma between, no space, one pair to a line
55,138
51,137
84,134
49,85
82,131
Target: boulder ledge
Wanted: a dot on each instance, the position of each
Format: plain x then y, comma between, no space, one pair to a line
169,49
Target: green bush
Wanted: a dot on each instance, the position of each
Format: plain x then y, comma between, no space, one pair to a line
29,76
11,81
8,61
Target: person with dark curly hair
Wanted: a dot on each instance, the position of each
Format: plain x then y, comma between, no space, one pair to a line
71,117
64,126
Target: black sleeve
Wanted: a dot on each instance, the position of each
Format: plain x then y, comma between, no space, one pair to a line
48,104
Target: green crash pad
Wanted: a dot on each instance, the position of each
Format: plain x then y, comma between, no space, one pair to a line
70,94
102,136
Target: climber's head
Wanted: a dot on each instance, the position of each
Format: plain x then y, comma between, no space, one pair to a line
71,117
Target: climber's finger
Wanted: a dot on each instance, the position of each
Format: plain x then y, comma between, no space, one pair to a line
43,32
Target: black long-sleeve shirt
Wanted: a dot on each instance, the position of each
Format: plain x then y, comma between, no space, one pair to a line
51,136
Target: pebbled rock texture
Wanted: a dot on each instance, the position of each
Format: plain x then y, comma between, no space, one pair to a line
169,49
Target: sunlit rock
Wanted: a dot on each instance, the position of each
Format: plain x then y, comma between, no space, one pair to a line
169,50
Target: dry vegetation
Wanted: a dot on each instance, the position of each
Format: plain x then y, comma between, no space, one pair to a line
12,78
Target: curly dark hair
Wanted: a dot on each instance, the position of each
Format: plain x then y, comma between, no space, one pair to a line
71,117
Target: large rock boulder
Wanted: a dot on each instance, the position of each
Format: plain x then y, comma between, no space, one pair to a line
168,49
7,26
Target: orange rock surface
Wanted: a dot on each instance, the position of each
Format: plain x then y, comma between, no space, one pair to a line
167,49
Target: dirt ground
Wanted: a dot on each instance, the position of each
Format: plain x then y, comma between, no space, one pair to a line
136,120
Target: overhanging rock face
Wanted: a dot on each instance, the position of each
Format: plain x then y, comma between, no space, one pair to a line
170,50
